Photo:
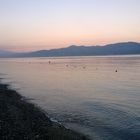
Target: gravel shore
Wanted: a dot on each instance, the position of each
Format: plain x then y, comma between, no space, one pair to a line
21,120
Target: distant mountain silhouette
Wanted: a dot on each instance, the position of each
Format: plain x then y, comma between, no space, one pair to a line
4,53
111,49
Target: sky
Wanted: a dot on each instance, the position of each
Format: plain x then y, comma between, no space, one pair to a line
27,25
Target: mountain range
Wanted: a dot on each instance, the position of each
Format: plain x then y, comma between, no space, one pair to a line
123,48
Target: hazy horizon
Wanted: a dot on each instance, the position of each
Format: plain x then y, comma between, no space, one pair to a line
29,25
39,48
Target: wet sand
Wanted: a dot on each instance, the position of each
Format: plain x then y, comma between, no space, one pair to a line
21,120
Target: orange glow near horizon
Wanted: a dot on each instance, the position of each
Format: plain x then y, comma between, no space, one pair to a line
36,25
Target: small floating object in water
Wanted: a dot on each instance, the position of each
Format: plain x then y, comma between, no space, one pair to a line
49,62
84,67
116,71
67,65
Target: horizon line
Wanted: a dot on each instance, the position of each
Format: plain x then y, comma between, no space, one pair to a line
105,44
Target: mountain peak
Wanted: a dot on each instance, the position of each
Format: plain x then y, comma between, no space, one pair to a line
122,48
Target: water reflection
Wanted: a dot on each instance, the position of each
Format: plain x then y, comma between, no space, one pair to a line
99,96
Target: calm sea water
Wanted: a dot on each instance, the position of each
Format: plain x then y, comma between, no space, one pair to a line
83,93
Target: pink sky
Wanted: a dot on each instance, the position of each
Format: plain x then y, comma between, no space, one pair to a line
46,24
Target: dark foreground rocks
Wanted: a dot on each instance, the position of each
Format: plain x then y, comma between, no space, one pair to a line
20,120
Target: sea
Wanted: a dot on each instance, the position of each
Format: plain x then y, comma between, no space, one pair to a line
98,96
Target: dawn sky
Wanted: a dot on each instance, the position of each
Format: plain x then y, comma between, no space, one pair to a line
44,24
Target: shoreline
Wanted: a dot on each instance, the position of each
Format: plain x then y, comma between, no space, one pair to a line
23,120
